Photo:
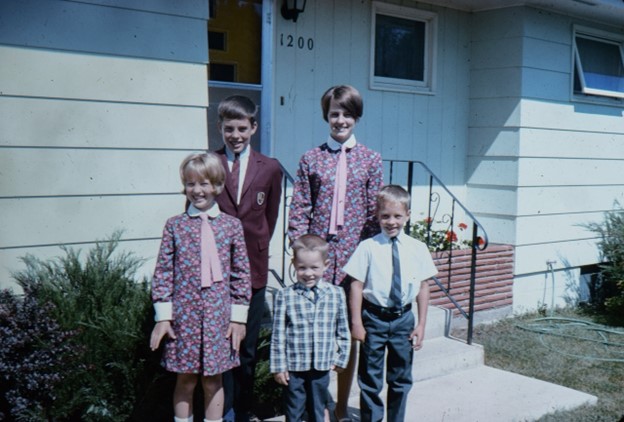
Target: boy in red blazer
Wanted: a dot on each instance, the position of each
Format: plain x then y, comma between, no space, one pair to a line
252,193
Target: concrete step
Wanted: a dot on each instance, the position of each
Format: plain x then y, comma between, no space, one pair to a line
451,383
438,357
442,355
438,322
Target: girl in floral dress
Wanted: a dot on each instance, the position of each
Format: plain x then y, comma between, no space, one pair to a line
201,290
317,195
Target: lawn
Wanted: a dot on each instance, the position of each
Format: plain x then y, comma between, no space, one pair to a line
565,348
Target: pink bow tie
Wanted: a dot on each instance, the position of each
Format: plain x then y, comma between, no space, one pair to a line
210,265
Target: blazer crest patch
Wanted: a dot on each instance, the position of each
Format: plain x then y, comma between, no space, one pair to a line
260,197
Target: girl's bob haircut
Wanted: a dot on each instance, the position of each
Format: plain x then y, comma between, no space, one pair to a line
206,165
347,97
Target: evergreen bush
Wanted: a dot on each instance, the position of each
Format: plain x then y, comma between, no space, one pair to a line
110,311
609,291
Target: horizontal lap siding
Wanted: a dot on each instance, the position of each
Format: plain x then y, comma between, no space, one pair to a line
29,72
100,102
540,166
54,220
60,123
69,172
98,28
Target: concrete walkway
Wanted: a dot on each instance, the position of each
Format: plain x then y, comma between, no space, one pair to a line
452,384
485,394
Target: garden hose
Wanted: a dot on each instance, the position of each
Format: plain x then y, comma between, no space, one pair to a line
557,327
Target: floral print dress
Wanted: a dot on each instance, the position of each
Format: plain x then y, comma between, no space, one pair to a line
310,209
201,316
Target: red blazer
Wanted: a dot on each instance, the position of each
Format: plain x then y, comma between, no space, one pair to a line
258,209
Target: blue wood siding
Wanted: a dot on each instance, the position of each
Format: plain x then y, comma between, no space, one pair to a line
108,27
540,164
99,103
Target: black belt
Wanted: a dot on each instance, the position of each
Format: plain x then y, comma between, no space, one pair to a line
386,314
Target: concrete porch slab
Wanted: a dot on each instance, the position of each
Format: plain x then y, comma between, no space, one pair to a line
486,394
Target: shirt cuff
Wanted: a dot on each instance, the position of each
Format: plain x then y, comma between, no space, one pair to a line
163,311
239,313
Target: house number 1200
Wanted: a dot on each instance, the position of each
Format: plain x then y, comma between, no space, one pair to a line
300,42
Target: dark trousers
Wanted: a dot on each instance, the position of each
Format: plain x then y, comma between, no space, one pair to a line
393,336
238,383
306,391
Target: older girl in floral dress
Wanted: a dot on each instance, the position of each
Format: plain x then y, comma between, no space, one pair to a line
201,290
317,195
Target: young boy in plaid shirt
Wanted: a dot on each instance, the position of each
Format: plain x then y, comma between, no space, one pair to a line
310,332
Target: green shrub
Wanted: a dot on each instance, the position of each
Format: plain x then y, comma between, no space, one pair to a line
33,354
609,291
110,311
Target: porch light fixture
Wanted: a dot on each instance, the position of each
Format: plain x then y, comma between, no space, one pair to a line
291,9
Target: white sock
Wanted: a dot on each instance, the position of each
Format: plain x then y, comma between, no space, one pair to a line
213,420
189,419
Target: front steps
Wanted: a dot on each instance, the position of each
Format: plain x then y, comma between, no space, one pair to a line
451,383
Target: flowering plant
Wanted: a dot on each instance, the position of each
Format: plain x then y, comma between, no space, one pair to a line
440,239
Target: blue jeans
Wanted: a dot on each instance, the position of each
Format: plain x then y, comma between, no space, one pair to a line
393,336
306,390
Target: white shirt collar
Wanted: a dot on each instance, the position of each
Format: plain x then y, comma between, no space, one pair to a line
399,237
336,146
243,155
212,212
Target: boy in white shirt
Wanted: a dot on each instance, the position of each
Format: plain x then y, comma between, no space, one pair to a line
390,271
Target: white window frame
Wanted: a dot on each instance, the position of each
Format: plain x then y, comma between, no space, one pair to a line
427,86
577,65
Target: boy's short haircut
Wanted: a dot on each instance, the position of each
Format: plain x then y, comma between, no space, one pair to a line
393,193
237,107
206,165
310,242
347,97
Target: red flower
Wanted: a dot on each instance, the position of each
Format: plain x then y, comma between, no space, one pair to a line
451,236
428,220
480,240
462,226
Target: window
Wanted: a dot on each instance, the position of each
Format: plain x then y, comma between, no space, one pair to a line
217,40
598,65
234,41
403,45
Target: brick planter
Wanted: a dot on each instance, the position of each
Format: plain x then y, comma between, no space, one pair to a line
494,278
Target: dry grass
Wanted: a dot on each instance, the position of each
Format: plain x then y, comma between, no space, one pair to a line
564,351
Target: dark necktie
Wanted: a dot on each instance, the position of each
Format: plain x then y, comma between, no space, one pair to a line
395,291
235,176
314,292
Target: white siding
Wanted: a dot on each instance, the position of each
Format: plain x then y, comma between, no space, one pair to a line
540,166
93,125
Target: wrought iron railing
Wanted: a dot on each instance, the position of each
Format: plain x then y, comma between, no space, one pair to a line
287,185
437,226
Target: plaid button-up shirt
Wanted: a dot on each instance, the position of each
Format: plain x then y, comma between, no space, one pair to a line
308,335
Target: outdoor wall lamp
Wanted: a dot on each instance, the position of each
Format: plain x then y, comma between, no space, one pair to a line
292,8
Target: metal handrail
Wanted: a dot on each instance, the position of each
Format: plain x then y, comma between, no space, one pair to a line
477,242
479,238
